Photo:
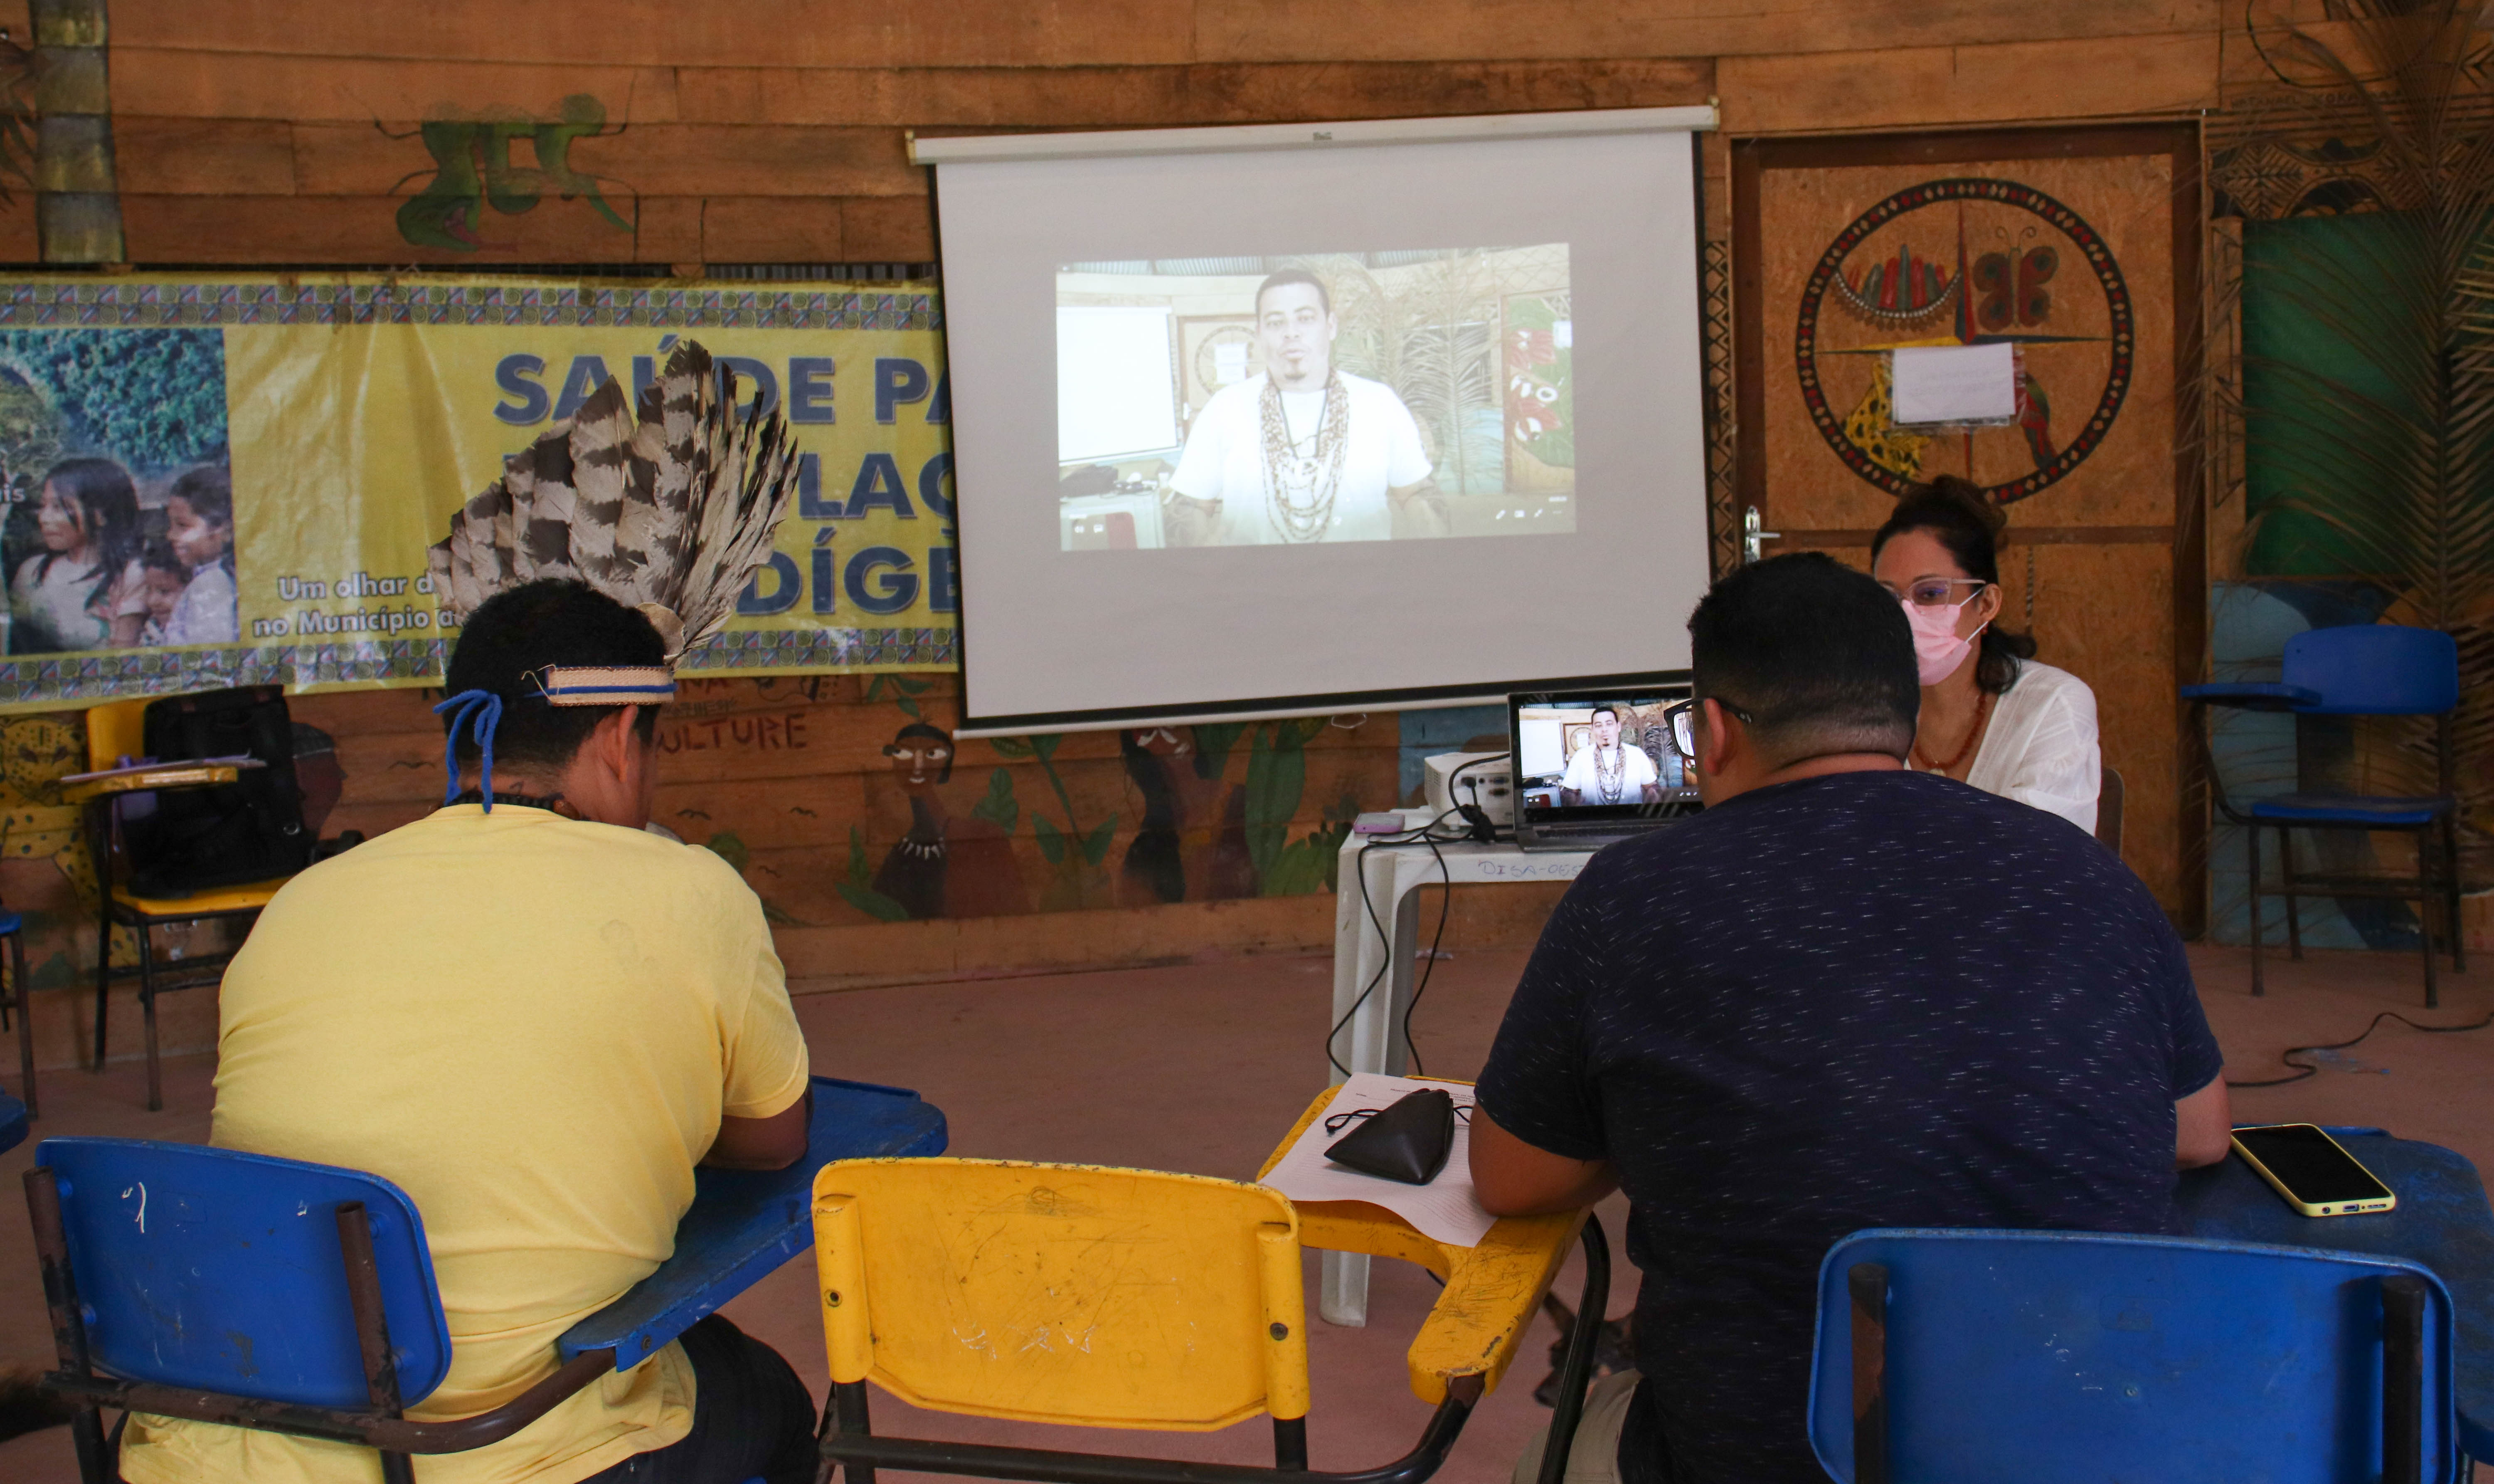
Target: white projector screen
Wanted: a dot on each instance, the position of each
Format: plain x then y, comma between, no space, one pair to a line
1347,416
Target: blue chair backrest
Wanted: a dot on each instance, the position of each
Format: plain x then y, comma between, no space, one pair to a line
221,1271
2375,670
2051,1356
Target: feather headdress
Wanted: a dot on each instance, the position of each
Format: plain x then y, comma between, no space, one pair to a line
670,514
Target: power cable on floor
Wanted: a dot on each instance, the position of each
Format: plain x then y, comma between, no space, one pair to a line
2307,1068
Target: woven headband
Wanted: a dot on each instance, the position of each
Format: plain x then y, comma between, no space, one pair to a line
480,712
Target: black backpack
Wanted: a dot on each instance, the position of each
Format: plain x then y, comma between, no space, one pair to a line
249,829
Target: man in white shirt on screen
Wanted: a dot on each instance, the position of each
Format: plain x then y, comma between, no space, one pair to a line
1304,452
1609,770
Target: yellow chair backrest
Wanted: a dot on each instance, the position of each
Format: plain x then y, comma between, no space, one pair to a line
1062,1292
114,732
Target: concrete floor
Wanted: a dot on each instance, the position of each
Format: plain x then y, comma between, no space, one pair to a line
1200,1068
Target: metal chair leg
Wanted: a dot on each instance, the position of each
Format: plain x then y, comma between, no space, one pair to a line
2286,871
1576,1370
18,991
69,1325
849,1415
2425,903
2251,904
148,1017
2451,893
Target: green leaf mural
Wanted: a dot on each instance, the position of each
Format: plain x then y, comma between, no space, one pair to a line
999,806
859,890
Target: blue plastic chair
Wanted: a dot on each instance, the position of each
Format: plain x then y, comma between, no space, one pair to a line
2357,670
14,1119
1968,1357
299,1298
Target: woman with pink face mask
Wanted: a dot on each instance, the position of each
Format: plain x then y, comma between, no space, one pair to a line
1992,717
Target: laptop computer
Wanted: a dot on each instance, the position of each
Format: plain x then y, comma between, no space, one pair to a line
1592,766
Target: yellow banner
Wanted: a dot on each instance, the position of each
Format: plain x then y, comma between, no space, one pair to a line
218,482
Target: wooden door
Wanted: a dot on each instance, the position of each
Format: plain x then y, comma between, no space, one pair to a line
2082,248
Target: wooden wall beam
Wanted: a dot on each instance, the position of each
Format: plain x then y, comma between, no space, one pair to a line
360,90
191,83
310,230
948,33
1394,30
1925,87
1157,97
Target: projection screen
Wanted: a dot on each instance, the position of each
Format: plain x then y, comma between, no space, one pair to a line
1294,419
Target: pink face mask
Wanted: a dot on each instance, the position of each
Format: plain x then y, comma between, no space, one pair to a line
1938,650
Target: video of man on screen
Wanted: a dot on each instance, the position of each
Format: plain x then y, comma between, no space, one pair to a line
1337,397
1606,753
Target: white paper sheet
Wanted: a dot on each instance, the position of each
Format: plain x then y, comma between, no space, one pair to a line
1444,1209
1955,384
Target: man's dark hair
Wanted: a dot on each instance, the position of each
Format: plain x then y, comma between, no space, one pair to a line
1965,522
1287,277
1818,654
514,634
1613,709
157,556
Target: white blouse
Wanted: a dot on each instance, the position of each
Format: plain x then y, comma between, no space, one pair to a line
2041,746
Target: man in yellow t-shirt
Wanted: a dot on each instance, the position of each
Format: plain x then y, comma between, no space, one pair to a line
536,1019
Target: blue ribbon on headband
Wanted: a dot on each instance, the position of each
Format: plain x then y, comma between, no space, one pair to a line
480,712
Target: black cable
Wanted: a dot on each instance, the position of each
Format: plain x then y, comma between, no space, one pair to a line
2306,1069
1417,835
1445,902
1475,815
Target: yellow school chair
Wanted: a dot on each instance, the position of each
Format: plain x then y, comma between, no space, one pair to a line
115,731
1079,1295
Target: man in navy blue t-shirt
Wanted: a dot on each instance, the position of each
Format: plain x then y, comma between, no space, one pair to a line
1845,995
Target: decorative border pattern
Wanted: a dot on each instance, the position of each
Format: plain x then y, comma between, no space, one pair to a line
1723,444
154,304
1931,192
45,681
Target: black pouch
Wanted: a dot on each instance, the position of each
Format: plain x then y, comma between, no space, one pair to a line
1408,1141
249,829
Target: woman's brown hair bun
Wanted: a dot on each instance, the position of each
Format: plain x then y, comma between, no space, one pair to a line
1967,495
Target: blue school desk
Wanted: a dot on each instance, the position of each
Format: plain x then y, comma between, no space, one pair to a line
2442,1220
746,1224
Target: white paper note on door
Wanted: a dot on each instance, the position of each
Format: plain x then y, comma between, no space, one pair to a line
1955,384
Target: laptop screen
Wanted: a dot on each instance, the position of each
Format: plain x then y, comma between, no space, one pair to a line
1597,755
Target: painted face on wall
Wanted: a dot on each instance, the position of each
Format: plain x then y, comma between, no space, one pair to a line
1163,741
920,762
38,751
1297,332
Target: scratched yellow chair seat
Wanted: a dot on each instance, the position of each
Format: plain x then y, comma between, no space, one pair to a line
1067,1293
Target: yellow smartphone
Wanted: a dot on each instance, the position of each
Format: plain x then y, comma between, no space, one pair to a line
2312,1171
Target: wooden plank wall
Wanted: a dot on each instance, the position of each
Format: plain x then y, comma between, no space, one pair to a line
286,131
480,133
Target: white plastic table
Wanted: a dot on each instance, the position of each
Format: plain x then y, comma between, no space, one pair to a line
1371,1033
